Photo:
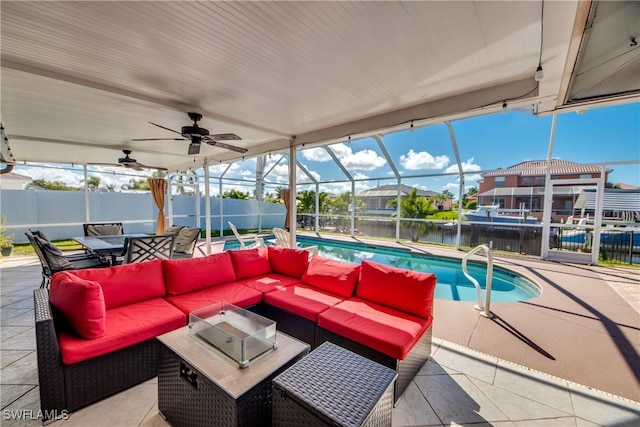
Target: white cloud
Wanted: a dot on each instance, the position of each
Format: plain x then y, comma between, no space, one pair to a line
467,166
422,160
280,173
360,160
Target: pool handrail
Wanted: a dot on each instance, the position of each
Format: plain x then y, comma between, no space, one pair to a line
484,309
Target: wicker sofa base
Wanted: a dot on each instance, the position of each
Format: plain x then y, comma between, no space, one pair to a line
406,368
67,388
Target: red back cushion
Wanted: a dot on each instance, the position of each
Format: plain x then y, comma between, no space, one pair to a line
250,262
288,261
330,275
188,275
406,290
128,283
81,302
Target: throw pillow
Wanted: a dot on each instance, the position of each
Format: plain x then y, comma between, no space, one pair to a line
81,302
406,290
287,261
337,277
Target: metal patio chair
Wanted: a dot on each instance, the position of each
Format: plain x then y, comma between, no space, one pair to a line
103,229
53,260
138,249
185,242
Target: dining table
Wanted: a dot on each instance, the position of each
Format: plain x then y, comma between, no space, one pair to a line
109,246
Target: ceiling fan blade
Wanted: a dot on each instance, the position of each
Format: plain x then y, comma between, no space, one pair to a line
225,137
158,139
166,128
194,148
223,145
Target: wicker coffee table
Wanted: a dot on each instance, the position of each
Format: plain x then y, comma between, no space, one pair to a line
200,386
333,386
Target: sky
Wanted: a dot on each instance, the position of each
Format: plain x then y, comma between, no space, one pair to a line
500,140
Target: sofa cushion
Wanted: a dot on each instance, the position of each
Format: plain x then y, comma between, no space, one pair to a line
127,283
288,261
233,293
302,300
334,276
382,328
125,326
250,262
188,275
81,302
269,282
405,290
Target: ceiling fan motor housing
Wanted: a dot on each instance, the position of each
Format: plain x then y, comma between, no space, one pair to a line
194,130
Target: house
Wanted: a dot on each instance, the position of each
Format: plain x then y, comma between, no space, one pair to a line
521,186
14,181
376,199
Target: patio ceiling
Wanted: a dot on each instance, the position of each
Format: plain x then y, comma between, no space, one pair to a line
80,80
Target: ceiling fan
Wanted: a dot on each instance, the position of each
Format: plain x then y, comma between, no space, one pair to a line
197,135
128,162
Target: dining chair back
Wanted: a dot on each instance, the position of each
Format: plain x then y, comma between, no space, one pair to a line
138,249
103,229
185,242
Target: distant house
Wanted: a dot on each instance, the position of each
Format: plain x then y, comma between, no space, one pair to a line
14,181
521,186
376,199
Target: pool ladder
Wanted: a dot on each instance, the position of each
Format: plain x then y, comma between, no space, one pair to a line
484,309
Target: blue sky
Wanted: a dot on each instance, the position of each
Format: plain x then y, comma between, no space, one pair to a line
485,143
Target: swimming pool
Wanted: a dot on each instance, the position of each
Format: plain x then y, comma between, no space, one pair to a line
452,283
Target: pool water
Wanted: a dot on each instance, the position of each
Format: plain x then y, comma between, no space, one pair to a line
452,284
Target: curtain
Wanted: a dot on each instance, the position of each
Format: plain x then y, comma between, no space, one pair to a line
158,188
284,194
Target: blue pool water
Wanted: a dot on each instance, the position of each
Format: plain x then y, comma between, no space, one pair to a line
452,283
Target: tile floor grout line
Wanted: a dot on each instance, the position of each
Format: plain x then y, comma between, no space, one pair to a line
535,371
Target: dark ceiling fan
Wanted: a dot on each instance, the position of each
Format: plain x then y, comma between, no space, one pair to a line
128,162
197,135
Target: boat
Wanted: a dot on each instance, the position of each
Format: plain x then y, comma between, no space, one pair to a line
494,213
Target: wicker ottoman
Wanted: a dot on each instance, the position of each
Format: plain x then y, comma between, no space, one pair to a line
333,387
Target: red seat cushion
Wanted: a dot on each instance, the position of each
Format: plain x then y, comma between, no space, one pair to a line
288,261
269,282
128,283
405,290
125,326
187,275
302,300
233,293
250,262
333,276
384,329
81,302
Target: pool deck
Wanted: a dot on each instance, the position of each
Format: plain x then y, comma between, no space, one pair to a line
569,357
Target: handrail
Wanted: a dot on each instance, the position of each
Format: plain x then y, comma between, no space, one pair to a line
484,310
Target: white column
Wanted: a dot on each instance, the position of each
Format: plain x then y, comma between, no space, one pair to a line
207,208
548,196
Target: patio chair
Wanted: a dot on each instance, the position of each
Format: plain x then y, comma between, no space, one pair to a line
283,239
103,229
185,242
254,240
70,257
53,260
138,249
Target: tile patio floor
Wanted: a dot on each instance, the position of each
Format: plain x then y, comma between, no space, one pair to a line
477,374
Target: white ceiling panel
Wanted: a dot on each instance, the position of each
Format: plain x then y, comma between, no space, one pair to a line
94,74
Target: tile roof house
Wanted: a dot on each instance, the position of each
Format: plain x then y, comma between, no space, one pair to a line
521,186
376,199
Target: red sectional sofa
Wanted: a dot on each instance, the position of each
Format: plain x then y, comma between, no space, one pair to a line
96,329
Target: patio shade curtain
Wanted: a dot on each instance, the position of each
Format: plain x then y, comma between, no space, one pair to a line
158,188
284,194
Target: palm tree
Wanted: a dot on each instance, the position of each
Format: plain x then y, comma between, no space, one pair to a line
414,207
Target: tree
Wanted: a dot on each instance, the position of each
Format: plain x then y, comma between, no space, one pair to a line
235,194
55,185
341,205
414,207
471,192
448,194
137,184
93,182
